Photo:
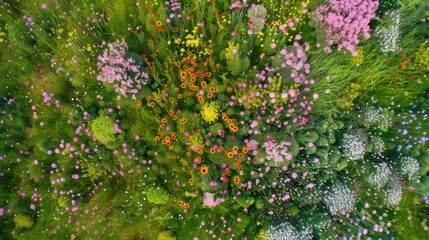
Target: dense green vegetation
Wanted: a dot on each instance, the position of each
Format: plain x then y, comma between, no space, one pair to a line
201,119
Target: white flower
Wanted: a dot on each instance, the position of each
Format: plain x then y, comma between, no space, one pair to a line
285,231
381,175
258,11
378,144
340,199
354,144
389,34
375,116
409,167
393,194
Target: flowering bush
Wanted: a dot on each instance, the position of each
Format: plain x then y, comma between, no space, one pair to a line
344,22
212,120
125,73
389,34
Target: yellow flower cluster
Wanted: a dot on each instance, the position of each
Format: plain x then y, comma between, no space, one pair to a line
351,93
358,59
290,14
192,40
210,112
3,34
72,35
232,50
23,221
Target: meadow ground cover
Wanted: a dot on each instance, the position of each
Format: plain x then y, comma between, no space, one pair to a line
214,119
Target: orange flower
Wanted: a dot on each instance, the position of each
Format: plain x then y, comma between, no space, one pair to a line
237,180
204,170
183,120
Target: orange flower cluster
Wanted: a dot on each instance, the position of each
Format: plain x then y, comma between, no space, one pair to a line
230,121
183,204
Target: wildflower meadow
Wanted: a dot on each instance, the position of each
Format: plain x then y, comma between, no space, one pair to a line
214,119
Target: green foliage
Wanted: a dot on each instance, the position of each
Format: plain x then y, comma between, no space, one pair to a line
103,129
23,221
423,187
92,171
422,56
157,195
387,5
216,97
166,235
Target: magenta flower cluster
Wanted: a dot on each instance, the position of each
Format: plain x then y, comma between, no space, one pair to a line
124,73
345,21
278,153
295,61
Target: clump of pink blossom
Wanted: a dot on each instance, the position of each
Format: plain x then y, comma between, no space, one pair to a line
125,73
209,201
278,153
345,21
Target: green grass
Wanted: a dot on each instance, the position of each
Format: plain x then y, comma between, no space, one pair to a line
59,56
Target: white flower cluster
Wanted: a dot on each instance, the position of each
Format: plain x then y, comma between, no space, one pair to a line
378,144
257,15
393,194
375,116
340,199
409,167
380,176
389,34
285,231
354,144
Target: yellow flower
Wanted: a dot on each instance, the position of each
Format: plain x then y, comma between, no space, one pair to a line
210,112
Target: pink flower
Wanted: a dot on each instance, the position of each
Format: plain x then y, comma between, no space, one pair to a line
209,201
